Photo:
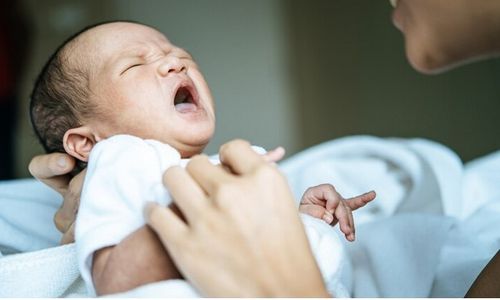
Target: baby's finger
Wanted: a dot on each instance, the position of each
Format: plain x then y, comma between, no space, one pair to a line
314,195
342,214
361,200
312,210
328,217
351,237
332,197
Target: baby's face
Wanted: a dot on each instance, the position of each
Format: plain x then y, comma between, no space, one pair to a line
147,87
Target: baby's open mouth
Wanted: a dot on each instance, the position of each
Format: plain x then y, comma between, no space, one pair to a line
184,100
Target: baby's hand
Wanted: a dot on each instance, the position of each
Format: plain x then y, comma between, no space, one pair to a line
324,202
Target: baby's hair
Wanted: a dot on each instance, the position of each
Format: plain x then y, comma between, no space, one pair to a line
59,100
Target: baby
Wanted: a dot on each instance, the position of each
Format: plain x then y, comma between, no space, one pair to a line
120,97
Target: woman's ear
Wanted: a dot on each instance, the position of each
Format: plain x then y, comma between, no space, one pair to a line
78,142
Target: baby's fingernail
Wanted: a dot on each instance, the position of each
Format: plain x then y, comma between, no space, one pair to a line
351,237
328,219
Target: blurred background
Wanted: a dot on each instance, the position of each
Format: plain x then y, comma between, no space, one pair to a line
283,72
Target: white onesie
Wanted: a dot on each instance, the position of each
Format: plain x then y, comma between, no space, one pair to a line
124,172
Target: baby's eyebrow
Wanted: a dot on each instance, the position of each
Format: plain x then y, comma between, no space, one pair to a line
119,60
134,52
182,51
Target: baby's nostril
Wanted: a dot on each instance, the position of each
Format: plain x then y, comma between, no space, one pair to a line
176,68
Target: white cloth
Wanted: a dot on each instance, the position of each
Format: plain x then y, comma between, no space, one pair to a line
330,256
409,175
123,173
394,252
52,272
452,231
26,216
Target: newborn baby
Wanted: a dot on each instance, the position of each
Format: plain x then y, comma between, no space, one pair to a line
121,98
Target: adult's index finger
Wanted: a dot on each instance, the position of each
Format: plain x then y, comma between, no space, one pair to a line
239,156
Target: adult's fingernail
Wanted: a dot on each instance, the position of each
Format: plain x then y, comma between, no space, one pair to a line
61,162
280,149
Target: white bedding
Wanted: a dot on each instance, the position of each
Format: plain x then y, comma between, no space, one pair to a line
431,230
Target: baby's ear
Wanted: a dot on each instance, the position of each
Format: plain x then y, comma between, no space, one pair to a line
78,142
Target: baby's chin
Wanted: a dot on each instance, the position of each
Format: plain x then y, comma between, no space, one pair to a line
191,140
187,151
192,146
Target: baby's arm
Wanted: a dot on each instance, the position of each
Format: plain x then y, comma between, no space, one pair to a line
324,202
138,259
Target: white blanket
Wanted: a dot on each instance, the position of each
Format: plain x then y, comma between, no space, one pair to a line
451,234
429,233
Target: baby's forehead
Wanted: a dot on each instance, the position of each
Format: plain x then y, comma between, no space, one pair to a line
108,41
124,34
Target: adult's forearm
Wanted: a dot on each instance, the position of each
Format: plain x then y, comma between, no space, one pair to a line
486,284
138,259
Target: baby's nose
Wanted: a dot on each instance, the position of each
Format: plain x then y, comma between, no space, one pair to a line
171,64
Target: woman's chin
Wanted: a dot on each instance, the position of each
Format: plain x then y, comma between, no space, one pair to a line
431,63
424,66
426,60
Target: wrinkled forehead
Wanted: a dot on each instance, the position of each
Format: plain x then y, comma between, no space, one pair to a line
101,45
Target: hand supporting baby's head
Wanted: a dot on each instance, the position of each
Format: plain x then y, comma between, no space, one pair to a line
121,78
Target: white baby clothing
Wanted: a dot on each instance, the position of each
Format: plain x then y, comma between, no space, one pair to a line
124,172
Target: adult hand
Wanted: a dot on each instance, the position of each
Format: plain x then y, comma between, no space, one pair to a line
275,155
241,234
53,170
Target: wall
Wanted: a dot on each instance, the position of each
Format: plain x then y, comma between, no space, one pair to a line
353,78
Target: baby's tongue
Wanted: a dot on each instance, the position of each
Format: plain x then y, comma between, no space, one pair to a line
185,107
